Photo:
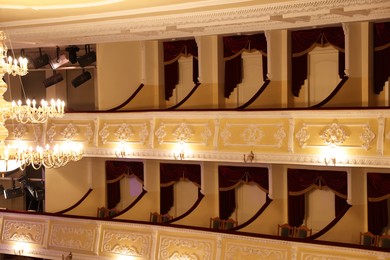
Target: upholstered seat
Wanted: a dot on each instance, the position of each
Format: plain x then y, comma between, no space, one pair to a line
302,232
285,230
215,223
367,239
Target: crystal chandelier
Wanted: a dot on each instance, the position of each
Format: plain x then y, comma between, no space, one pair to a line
18,155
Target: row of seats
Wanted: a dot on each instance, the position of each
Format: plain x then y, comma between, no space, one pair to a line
286,230
159,218
217,223
369,239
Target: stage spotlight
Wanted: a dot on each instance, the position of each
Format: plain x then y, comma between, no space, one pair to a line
52,80
41,61
35,192
59,60
72,49
85,76
88,58
14,192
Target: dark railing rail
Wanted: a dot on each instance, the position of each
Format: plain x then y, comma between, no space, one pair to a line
255,96
186,97
127,100
76,204
334,92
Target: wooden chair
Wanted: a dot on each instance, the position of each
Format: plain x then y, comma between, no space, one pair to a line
302,232
229,224
112,212
155,217
383,241
102,212
216,223
285,230
166,217
367,239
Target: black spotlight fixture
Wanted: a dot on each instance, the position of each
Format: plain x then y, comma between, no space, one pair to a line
88,58
14,192
72,49
52,80
41,61
81,79
59,60
35,192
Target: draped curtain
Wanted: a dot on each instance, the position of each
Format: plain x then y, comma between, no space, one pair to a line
306,40
381,55
230,177
171,174
234,46
301,181
172,52
378,191
117,170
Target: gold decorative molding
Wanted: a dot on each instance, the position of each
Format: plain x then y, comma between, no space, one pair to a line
73,236
177,247
127,243
28,231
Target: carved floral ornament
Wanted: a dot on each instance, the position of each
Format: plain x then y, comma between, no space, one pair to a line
253,135
334,135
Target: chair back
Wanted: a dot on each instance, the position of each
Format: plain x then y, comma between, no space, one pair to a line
102,212
215,223
166,217
285,230
384,241
229,224
367,239
155,217
302,232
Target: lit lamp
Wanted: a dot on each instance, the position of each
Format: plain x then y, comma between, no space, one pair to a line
31,112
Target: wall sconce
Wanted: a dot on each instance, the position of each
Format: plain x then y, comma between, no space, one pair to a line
122,150
249,157
330,160
179,153
68,257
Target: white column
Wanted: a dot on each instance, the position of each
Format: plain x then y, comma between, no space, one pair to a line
199,44
346,48
269,60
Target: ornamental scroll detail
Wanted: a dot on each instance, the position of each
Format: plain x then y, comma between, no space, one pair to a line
334,135
124,132
70,132
189,248
367,136
127,243
198,133
253,134
73,237
22,231
183,133
238,251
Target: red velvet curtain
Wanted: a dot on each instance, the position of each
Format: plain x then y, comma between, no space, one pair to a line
169,175
233,47
230,177
172,52
306,40
301,181
115,171
378,192
381,55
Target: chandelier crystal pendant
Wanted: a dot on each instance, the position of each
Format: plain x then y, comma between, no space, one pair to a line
12,157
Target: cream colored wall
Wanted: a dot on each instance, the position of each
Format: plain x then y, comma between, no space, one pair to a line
119,72
65,186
